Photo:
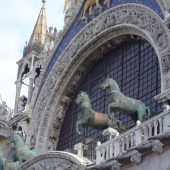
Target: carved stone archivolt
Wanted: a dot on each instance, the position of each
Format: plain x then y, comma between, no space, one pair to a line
56,160
129,19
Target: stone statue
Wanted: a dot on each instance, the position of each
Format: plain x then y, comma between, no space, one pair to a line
121,103
88,6
167,4
69,9
66,2
21,152
68,16
89,117
3,110
22,103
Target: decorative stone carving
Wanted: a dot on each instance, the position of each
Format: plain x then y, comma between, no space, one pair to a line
164,98
12,166
5,111
135,19
157,146
56,160
167,2
166,60
4,129
110,132
116,166
71,11
79,147
57,124
136,157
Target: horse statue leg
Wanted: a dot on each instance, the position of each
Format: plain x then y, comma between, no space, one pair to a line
111,114
148,112
79,127
143,113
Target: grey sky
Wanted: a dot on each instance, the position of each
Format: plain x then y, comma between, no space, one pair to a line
17,20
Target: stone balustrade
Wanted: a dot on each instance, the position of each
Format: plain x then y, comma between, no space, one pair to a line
139,134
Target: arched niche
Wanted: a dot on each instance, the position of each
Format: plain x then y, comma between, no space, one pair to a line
129,19
132,62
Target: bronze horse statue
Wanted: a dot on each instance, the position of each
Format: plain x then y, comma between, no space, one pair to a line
123,104
89,117
22,152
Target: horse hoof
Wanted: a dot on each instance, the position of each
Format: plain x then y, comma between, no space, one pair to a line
138,122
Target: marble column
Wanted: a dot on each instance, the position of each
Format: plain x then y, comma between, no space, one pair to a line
31,83
17,97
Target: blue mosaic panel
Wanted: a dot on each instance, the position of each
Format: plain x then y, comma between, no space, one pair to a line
75,28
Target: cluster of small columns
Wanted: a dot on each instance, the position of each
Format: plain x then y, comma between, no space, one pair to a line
18,83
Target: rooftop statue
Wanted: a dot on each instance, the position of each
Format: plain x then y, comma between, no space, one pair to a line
121,103
66,2
22,104
5,111
167,2
88,6
70,8
89,117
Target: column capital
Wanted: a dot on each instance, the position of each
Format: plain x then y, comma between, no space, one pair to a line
32,75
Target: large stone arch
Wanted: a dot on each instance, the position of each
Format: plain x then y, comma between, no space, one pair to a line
129,19
56,160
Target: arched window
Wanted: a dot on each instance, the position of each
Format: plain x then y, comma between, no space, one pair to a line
134,65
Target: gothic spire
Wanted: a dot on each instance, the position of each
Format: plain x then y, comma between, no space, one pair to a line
40,30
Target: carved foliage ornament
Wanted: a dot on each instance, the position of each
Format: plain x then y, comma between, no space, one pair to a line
130,14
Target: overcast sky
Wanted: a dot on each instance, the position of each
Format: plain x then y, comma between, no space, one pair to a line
17,20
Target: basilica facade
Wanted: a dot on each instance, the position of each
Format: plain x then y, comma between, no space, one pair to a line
122,41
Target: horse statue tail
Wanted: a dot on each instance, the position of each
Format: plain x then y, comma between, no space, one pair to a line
148,112
1,164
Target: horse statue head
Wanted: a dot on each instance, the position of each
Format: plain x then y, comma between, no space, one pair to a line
83,100
17,140
110,83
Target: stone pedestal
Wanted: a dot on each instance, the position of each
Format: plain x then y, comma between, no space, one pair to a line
110,133
79,147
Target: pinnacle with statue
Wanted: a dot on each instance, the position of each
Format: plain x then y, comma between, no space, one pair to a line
5,111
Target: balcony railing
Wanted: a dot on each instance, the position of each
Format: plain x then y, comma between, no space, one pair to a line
139,134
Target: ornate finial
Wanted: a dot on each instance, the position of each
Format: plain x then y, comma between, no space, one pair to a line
43,1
